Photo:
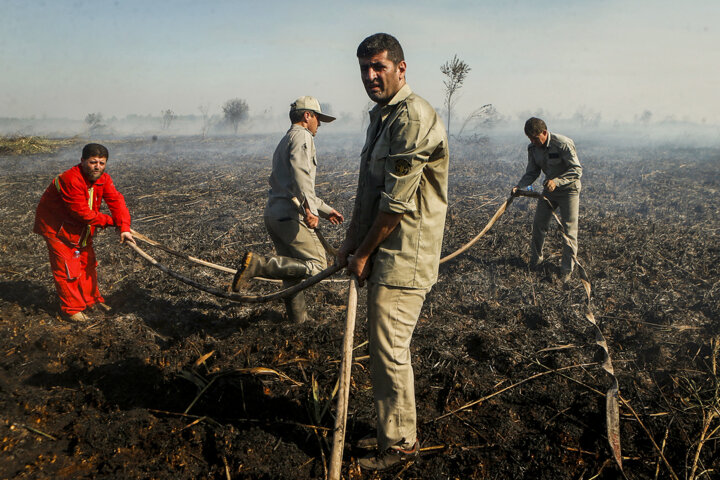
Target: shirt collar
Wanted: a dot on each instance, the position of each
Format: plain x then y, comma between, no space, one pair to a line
401,95
299,127
547,142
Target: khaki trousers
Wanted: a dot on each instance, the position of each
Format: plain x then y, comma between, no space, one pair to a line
569,202
292,238
392,315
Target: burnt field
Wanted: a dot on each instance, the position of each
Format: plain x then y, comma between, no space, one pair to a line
176,383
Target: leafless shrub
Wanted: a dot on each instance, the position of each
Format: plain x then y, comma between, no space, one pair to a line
486,115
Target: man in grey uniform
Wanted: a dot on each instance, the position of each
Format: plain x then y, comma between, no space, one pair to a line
395,237
292,211
555,156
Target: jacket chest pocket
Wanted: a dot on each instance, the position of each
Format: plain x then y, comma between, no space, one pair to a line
379,155
554,159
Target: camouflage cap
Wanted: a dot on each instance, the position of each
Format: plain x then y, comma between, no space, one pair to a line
312,104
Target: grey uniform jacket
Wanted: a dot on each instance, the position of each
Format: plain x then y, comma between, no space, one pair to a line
556,159
293,175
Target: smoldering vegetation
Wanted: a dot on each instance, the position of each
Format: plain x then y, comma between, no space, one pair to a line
470,128
175,383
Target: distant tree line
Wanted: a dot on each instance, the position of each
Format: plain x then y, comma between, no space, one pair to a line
236,111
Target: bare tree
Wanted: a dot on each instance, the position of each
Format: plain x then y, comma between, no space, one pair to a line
455,70
94,121
167,118
645,117
236,111
204,111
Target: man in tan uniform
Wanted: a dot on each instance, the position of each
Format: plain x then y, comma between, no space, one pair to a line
555,156
292,211
395,236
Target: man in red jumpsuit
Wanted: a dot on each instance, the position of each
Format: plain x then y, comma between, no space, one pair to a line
67,216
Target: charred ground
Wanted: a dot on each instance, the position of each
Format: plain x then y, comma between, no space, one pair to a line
135,394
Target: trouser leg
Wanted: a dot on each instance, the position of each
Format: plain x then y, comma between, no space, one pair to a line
569,211
293,238
295,304
88,277
541,222
392,316
65,265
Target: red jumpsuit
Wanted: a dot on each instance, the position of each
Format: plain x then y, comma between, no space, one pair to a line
67,215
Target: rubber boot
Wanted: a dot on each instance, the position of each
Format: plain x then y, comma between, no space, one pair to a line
295,307
535,262
565,279
278,267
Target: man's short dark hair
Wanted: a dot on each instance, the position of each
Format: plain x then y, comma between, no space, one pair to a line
534,127
297,115
381,42
95,150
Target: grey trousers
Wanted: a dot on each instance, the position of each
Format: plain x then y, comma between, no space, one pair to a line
392,315
568,200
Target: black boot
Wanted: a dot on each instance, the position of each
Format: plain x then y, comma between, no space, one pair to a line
278,267
295,307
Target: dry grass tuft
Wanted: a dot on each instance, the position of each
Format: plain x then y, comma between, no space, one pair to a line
31,145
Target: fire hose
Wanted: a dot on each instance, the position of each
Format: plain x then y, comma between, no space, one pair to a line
611,404
238,297
612,409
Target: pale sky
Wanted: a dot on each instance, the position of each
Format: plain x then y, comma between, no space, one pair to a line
68,58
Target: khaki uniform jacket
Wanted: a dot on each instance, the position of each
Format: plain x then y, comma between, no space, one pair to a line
558,161
293,175
404,169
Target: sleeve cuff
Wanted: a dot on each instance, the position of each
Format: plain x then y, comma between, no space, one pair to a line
324,208
390,205
313,209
